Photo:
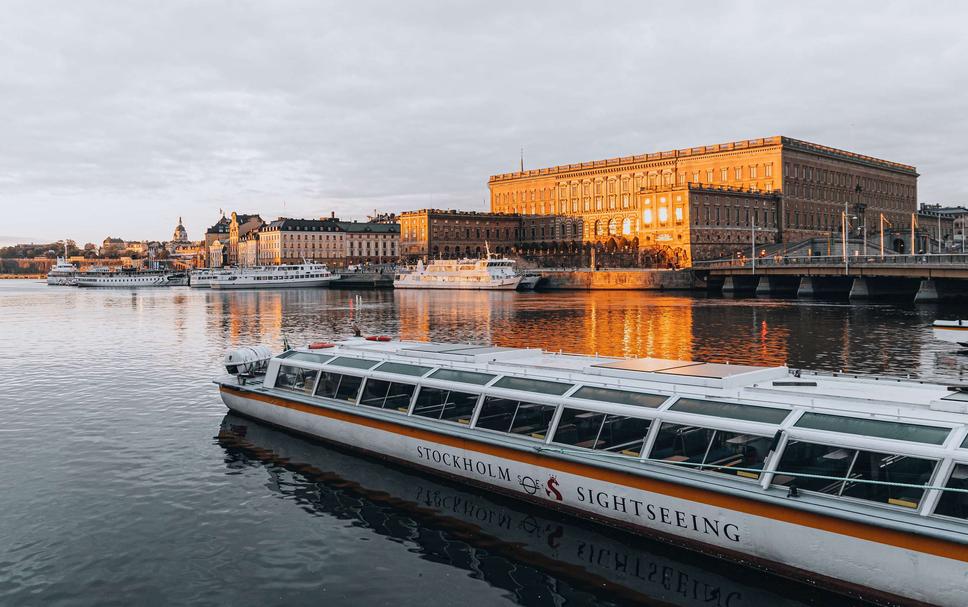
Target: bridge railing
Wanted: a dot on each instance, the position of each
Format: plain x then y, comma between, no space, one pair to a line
926,259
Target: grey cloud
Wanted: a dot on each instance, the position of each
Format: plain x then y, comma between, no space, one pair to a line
119,117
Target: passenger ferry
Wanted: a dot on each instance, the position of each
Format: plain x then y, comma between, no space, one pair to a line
859,483
952,330
131,278
490,273
63,273
202,279
306,274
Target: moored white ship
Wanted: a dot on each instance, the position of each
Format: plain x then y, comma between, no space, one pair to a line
859,483
955,331
63,273
131,278
306,274
489,274
203,279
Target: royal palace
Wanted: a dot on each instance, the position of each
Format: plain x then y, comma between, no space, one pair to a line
711,201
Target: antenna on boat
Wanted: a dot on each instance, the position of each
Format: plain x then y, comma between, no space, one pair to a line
285,343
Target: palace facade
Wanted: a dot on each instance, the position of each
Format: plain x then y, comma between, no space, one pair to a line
711,201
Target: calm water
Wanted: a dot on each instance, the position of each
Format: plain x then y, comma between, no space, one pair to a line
123,481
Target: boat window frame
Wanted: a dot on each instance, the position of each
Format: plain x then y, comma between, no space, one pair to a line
311,393
357,366
944,483
494,376
775,470
670,409
474,411
582,386
381,369
389,382
568,387
793,425
292,354
479,408
657,428
359,391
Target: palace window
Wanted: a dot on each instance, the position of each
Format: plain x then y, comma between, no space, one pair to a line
695,176
663,215
647,217
625,201
678,214
626,226
768,170
724,175
709,176
738,173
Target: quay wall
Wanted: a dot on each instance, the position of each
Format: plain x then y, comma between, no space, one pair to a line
637,280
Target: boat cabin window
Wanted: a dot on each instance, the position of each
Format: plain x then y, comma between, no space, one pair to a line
750,413
402,369
309,357
353,363
734,453
526,384
964,443
622,397
600,431
931,435
387,395
339,387
955,503
449,405
464,377
515,417
296,379
841,471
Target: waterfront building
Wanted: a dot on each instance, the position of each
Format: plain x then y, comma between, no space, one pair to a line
218,232
958,216
290,241
239,226
704,202
370,241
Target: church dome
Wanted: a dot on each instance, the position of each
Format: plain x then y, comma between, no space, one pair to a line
180,234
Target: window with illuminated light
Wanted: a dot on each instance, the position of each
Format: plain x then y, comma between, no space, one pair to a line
663,214
647,217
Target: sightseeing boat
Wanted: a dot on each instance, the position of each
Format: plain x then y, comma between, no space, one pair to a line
306,274
202,279
859,483
99,277
63,273
479,274
952,330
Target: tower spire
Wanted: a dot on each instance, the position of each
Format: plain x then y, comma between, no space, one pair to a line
522,159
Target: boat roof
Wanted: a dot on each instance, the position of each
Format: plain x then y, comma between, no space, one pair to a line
901,399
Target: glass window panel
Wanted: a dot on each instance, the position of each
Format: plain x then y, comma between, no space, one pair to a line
931,435
889,468
402,369
750,413
532,420
349,388
353,363
296,379
309,357
800,457
624,435
623,397
532,385
953,503
497,413
430,402
328,382
579,428
374,393
465,377
677,443
459,407
964,443
960,396
731,450
399,396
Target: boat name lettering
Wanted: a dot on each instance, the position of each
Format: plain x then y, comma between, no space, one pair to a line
660,514
466,464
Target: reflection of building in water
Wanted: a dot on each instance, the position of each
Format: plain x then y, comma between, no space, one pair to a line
472,316
534,555
727,333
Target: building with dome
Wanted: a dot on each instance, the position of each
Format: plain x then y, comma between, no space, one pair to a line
180,235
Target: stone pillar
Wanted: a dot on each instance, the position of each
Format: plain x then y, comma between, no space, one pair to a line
928,292
860,289
729,285
765,286
806,288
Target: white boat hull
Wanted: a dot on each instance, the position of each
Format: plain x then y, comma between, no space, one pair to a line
848,554
955,331
61,281
130,282
508,284
271,284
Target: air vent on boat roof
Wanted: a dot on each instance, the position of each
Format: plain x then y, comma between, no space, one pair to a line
466,352
716,375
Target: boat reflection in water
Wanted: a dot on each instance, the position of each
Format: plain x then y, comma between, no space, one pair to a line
539,558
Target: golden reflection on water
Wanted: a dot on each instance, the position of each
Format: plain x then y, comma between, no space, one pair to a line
822,335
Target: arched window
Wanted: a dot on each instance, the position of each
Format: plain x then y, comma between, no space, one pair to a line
598,227
626,226
612,226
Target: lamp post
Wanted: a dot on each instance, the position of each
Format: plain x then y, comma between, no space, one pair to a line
883,221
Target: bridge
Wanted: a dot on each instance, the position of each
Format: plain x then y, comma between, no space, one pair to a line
922,277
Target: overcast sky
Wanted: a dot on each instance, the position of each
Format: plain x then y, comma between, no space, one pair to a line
117,117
